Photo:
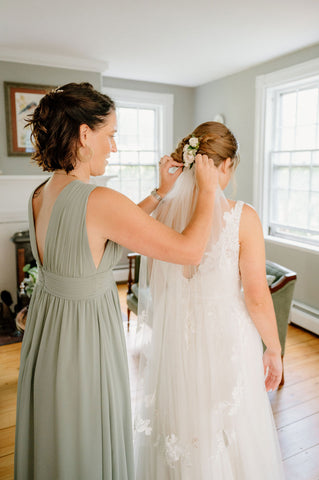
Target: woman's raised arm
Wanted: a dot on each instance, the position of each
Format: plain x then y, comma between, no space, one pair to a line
113,216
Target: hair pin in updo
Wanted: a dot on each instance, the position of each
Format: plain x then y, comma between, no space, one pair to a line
190,151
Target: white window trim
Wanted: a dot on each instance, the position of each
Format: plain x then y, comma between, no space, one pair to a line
290,75
163,100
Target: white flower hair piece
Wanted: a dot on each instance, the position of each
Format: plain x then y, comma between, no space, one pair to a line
190,151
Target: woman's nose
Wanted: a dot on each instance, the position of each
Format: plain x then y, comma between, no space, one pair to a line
113,146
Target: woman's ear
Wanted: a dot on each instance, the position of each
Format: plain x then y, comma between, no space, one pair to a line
83,134
228,164
225,165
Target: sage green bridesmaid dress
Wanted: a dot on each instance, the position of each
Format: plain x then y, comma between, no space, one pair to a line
73,407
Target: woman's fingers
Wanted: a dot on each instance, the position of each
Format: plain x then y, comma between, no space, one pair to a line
168,162
207,174
272,363
272,382
167,177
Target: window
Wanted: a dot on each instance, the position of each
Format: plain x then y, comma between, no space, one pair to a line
289,152
144,135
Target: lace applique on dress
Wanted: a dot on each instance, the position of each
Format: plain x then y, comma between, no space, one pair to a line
227,247
143,426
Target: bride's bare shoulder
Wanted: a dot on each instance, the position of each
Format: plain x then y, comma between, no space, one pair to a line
249,222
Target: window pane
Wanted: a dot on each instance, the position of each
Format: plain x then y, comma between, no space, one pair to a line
306,137
281,177
300,178
315,179
130,182
148,180
301,158
147,129
130,189
298,209
130,173
288,109
114,183
149,158
315,158
281,158
114,158
127,127
307,106
314,211
129,157
280,207
287,139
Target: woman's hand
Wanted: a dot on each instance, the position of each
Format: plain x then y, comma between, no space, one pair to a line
168,179
272,363
207,175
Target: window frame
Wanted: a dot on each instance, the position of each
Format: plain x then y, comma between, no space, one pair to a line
266,87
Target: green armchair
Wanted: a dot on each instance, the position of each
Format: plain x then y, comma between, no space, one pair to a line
281,283
282,289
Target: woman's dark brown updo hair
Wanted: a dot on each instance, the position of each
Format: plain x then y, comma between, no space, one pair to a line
215,140
55,123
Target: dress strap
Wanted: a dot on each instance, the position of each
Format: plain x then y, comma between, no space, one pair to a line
237,215
238,209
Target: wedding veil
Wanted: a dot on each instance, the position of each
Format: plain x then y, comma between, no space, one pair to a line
166,289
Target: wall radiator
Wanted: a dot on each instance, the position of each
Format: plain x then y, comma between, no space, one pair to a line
305,316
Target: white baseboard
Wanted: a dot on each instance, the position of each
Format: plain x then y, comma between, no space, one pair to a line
305,316
120,274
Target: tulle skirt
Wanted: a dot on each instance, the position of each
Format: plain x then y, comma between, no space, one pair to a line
203,411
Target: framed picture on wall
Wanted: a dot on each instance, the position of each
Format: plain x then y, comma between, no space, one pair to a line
21,99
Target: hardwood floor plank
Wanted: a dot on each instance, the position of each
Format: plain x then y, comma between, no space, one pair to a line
301,371
299,436
304,466
6,467
292,395
301,355
298,335
298,412
7,441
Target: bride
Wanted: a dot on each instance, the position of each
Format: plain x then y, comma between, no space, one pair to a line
203,411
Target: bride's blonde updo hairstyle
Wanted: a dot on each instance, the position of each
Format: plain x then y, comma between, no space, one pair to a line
215,140
55,123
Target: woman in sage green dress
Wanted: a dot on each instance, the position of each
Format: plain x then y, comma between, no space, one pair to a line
73,407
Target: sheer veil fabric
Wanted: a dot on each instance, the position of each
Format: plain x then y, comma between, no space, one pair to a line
202,409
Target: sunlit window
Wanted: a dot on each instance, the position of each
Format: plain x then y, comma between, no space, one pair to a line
288,188
134,166
294,180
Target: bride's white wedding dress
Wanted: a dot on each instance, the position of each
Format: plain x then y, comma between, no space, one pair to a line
203,412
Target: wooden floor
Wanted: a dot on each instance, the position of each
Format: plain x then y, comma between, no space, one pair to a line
295,406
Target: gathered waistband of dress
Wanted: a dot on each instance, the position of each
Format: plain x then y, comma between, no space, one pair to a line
75,288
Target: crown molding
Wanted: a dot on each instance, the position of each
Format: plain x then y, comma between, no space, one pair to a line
51,60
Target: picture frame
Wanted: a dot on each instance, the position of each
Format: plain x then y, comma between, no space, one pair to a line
20,101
